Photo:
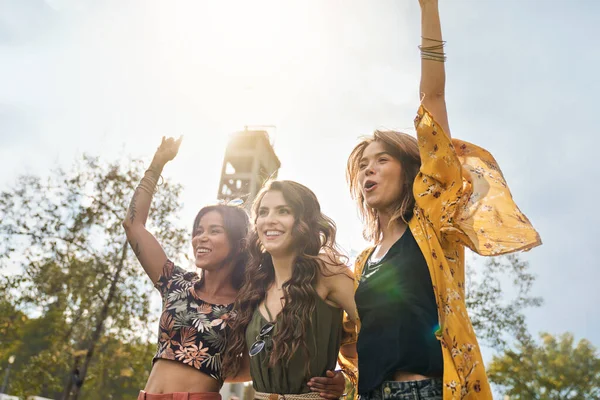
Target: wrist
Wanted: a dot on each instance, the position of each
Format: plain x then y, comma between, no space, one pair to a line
346,379
429,5
157,164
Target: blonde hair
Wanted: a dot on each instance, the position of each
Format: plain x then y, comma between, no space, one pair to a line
403,148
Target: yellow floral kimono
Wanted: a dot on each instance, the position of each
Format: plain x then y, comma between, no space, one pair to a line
462,200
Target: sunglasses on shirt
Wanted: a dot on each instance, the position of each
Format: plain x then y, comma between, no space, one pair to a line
260,342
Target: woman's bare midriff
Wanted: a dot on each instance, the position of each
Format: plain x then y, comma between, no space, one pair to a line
401,376
172,376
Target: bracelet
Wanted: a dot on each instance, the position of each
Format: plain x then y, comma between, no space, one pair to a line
435,52
148,184
346,378
433,40
145,189
431,48
153,172
440,57
156,175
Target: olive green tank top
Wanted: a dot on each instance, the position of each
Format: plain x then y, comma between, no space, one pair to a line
323,339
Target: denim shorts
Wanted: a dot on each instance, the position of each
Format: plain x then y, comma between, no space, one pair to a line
426,389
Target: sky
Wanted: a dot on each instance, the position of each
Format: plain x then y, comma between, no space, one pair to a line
111,77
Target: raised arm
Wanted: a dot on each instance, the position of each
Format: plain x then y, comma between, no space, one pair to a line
433,74
145,246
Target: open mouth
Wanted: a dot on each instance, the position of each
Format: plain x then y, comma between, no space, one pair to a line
370,186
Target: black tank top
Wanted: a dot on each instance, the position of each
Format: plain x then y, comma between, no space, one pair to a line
398,314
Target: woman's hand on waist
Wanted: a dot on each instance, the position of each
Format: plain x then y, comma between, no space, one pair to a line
331,386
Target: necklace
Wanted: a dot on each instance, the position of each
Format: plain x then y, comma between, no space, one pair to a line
373,264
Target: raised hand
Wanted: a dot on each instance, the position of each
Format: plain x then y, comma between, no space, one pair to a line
167,150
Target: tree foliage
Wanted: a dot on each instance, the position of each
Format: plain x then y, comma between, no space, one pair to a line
555,369
497,293
44,362
67,261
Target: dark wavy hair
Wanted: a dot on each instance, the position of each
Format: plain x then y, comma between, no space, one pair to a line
313,234
403,148
236,224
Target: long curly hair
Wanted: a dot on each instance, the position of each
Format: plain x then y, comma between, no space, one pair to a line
313,233
236,224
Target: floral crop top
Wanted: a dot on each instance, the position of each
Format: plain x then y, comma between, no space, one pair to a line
191,330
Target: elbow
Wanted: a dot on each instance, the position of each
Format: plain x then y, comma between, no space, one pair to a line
433,95
132,227
126,224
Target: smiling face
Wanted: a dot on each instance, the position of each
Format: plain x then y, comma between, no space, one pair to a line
210,242
379,177
274,224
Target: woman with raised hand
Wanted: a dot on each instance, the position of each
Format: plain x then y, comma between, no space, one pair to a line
289,310
422,201
197,308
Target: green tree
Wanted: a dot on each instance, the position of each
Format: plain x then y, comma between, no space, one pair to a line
497,293
12,322
119,370
63,235
555,369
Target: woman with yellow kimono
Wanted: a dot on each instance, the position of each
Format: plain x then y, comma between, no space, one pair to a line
422,201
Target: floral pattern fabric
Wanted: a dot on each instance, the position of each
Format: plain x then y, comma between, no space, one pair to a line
462,200
191,330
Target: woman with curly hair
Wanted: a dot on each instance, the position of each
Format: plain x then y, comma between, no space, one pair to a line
289,310
197,307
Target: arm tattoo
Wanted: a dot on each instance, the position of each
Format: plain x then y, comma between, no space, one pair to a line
132,206
136,250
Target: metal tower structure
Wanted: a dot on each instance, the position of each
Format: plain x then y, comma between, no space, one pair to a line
249,161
